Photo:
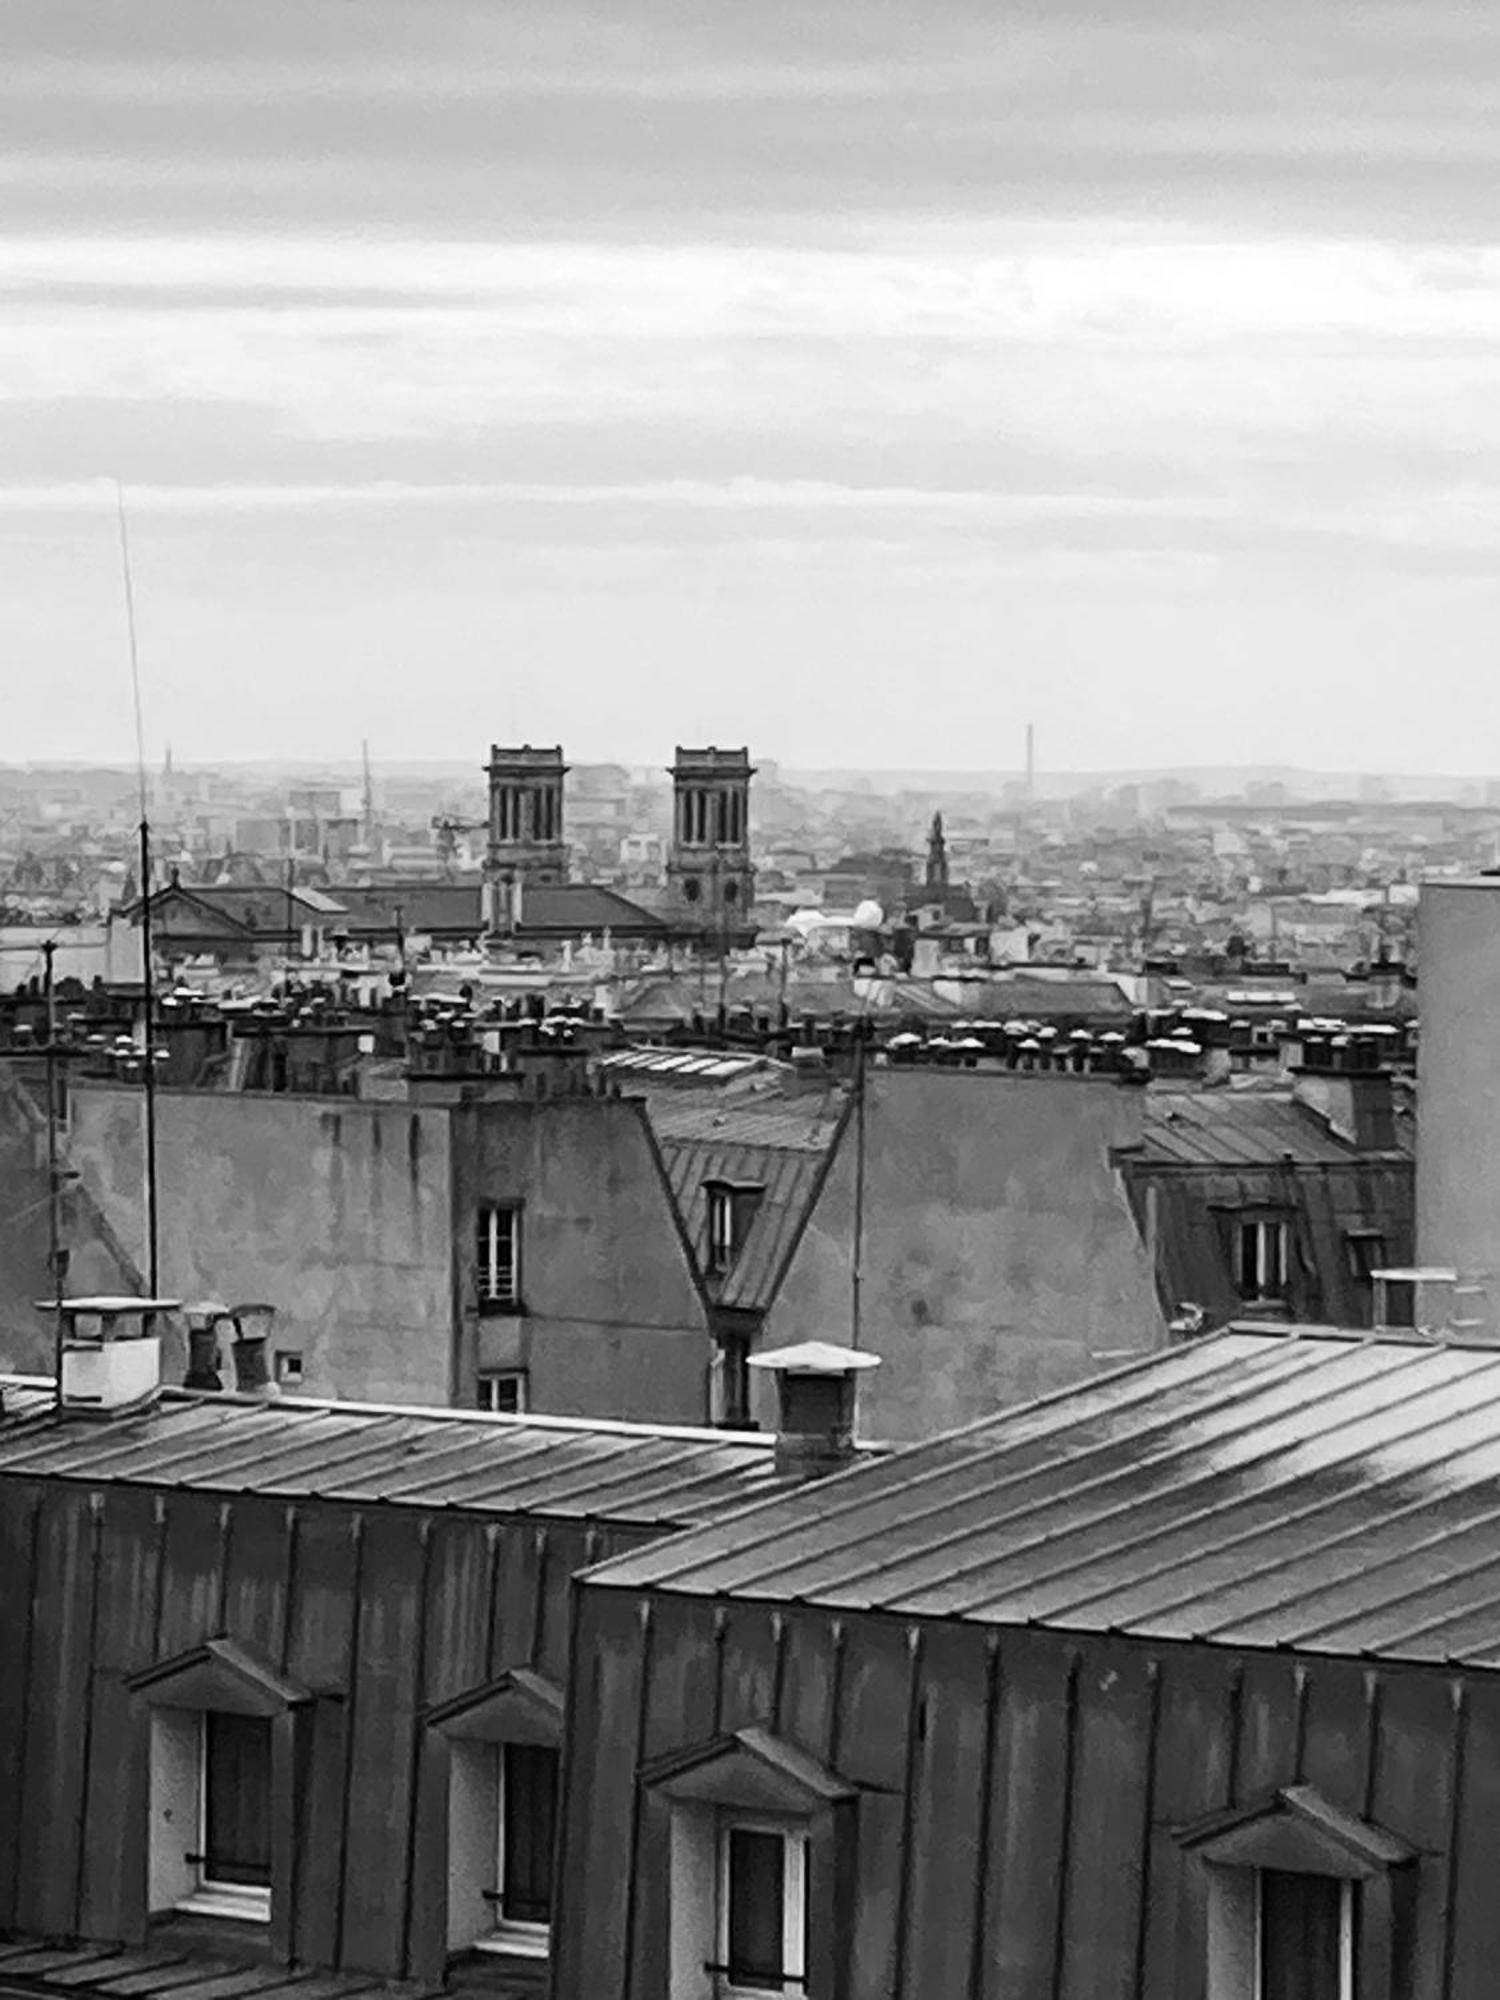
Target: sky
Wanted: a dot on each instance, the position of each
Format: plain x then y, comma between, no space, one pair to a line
854,380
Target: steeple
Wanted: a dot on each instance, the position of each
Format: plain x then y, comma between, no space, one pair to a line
937,855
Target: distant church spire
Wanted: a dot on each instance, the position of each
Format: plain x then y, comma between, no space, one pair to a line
937,855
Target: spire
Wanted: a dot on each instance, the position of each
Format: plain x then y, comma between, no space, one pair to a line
937,855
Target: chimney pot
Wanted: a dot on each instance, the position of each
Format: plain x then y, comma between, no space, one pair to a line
816,1387
252,1331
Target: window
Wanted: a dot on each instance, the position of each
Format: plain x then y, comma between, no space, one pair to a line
747,1911
1305,1937
503,1392
527,1829
236,1812
502,1830
1299,1891
1365,1249
762,1938
721,1237
731,1210
499,1259
1261,1246
288,1368
211,1813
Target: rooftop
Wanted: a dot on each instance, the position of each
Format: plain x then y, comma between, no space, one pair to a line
467,1461
1319,1490
1231,1128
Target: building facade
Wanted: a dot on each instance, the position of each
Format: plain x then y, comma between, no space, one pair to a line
290,1685
1150,1690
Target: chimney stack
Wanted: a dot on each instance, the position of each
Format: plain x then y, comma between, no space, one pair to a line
816,1389
109,1354
1458,1080
204,1356
252,1332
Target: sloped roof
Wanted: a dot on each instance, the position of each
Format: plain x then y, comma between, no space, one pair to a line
434,908
554,1467
800,1124
456,909
1228,1128
251,910
789,1178
568,909
1319,1491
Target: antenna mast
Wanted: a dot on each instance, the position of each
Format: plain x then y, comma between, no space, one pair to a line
148,975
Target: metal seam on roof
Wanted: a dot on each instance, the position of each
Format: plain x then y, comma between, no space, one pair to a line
1179,1492
1256,1534
1419,1495
937,1509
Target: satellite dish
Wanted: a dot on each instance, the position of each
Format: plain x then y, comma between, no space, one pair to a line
869,916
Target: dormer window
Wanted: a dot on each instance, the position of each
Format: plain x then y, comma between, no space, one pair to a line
1299,1894
731,1209
1261,1247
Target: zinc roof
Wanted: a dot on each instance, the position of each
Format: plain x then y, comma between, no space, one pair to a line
789,1178
364,1453
1226,1128
800,1124
1320,1490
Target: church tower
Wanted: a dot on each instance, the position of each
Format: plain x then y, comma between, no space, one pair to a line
526,847
937,856
710,878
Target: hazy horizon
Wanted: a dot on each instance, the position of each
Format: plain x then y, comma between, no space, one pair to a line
859,382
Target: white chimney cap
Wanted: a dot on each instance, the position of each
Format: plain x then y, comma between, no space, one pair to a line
815,1357
120,1305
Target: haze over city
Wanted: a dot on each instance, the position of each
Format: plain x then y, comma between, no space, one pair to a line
856,381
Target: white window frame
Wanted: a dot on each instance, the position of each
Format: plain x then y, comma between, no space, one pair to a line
476,1847
179,1825
494,1218
1272,1273
794,1903
1346,1935
490,1378
1236,1938
722,1246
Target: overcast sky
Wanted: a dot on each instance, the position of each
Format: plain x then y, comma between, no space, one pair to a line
856,380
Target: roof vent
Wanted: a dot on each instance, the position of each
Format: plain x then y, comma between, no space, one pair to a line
110,1353
816,1387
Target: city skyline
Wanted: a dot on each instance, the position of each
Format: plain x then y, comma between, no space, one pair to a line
863,385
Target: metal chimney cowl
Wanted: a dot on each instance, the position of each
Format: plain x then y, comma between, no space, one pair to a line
817,1387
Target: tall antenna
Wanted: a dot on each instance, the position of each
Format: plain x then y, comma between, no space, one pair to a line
148,977
368,798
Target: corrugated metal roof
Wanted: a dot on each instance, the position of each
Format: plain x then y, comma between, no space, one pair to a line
363,1453
1325,1492
1226,1128
789,1178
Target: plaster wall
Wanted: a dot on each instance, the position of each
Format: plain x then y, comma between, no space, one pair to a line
97,1261
613,1322
337,1212
1001,1258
